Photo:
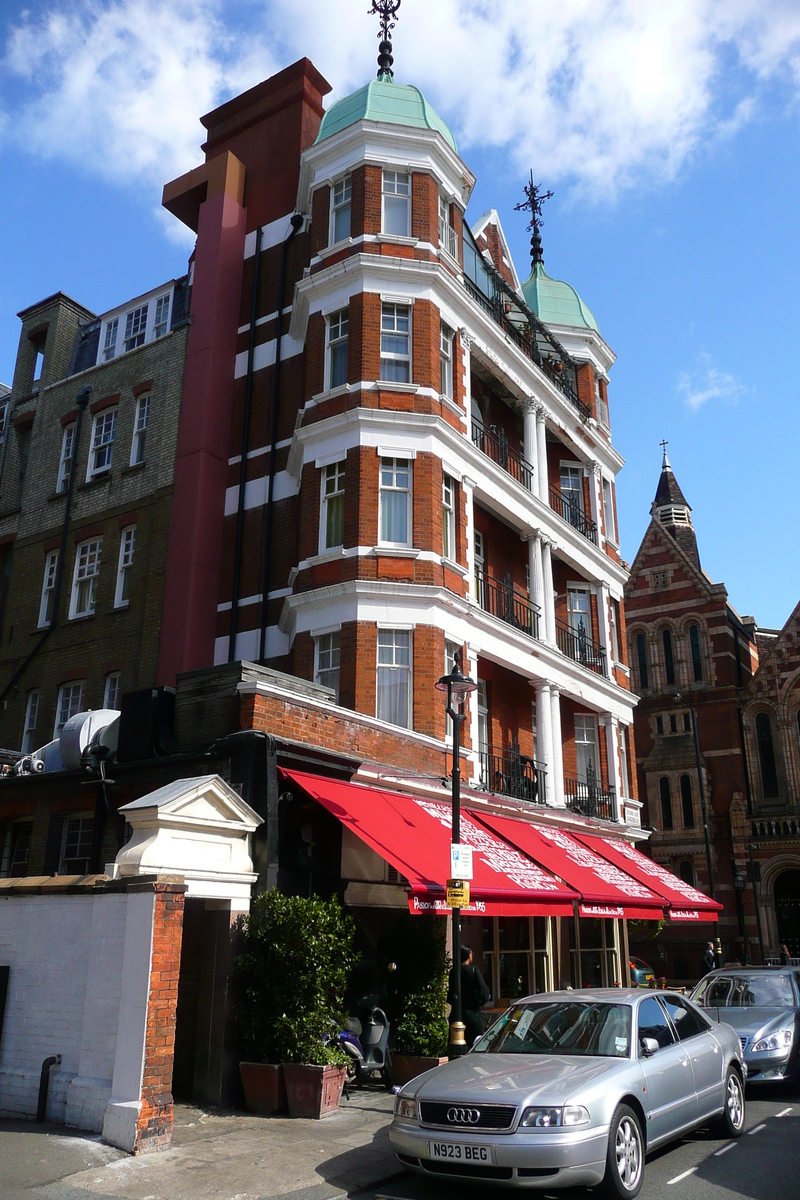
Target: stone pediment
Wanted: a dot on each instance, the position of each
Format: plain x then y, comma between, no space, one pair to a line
205,800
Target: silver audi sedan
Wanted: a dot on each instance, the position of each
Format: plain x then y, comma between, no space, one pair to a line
573,1088
763,1006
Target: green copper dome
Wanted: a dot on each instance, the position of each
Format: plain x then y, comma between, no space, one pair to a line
388,102
555,302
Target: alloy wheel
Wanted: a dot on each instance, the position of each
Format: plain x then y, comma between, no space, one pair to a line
628,1153
735,1101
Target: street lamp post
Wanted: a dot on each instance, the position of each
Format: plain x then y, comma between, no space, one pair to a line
457,686
703,811
739,884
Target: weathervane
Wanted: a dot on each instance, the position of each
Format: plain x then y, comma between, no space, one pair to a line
387,11
534,199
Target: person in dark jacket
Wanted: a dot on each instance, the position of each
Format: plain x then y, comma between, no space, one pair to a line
786,956
474,994
708,959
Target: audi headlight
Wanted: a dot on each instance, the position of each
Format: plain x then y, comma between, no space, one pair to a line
405,1109
541,1118
576,1114
776,1041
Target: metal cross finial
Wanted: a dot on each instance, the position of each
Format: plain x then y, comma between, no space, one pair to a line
533,202
663,445
387,11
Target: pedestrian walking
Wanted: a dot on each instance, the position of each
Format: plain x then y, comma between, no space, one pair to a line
474,994
708,959
786,955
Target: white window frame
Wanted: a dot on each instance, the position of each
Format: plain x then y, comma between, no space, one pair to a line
136,321
86,557
392,183
111,690
127,551
332,479
448,517
48,587
32,706
110,339
341,201
65,461
327,659
392,316
608,511
161,315
446,344
81,825
102,445
586,722
479,563
570,469
73,693
393,648
140,422
573,612
394,467
623,758
337,333
614,627
448,239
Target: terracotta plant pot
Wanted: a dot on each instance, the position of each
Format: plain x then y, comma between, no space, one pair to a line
313,1091
407,1066
264,1088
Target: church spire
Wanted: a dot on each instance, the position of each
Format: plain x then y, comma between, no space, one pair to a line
672,509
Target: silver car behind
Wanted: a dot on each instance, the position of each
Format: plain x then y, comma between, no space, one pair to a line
471,1118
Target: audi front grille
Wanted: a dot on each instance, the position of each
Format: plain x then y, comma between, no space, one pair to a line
445,1115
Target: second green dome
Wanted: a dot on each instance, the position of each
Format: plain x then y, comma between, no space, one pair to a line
387,102
556,302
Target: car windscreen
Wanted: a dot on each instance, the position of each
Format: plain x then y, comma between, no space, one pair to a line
588,1029
746,991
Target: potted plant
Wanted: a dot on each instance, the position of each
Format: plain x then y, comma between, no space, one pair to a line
416,995
297,957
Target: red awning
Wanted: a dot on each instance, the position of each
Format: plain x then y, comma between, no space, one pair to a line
413,834
685,902
606,889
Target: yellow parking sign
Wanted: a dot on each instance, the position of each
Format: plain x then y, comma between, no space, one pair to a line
457,893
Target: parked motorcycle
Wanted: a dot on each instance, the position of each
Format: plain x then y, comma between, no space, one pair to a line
365,1041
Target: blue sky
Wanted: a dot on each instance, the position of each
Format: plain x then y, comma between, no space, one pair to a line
670,139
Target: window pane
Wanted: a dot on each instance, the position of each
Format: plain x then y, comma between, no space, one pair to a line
395,215
686,1021
339,364
334,525
653,1023
393,696
341,222
394,517
395,370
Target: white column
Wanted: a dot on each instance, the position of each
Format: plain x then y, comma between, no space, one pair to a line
531,450
536,573
549,595
612,749
558,756
469,503
544,737
541,453
472,671
604,623
466,344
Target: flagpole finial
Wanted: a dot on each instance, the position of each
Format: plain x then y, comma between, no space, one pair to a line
387,11
533,203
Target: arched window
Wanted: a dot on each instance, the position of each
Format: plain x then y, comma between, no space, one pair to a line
697,661
686,872
766,754
669,661
686,802
666,802
641,654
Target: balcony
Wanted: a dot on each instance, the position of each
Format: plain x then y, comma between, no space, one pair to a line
580,648
573,514
528,334
512,774
501,599
589,798
495,446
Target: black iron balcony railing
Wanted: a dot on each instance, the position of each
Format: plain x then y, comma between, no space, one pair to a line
573,514
495,446
578,646
519,331
502,600
512,774
589,797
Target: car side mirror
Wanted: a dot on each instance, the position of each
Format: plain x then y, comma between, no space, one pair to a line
649,1046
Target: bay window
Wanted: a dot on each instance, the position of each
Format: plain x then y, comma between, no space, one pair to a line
397,203
393,691
396,343
394,502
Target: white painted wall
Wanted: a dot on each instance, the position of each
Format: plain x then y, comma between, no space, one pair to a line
68,955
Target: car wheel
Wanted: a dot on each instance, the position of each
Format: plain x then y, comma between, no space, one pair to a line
625,1157
732,1120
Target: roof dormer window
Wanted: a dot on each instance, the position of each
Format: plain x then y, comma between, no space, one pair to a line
135,327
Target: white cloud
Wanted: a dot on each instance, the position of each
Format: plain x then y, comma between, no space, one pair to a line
706,383
599,93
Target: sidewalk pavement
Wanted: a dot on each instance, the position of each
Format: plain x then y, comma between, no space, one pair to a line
214,1156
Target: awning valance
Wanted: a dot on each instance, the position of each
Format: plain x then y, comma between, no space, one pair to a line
606,890
413,835
684,902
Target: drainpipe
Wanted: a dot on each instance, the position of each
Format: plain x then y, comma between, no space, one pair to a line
248,404
81,400
44,1086
297,221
